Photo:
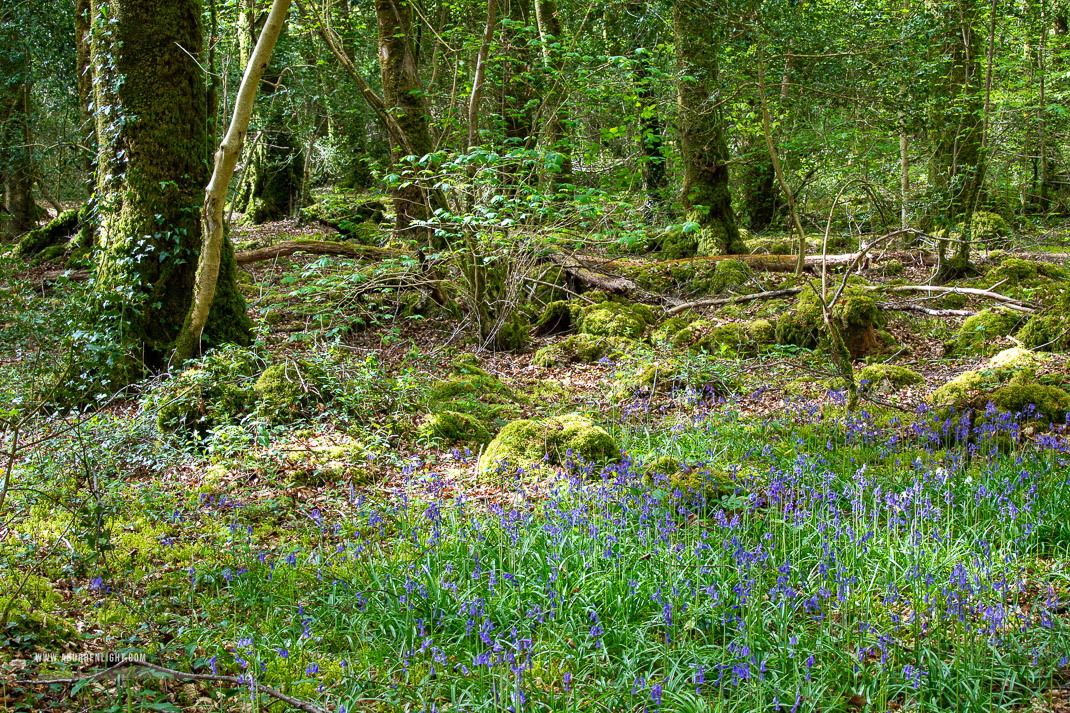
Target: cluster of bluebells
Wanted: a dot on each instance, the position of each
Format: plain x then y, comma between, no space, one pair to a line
856,560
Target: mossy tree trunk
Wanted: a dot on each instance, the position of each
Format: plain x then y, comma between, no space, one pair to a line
404,100
957,163
85,84
16,157
272,185
152,130
555,129
705,199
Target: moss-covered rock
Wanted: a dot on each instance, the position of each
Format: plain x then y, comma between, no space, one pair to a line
581,349
555,319
215,389
761,332
614,319
291,390
1010,383
855,315
728,275
667,330
1049,332
477,394
888,377
468,364
526,443
512,336
979,331
1047,403
455,428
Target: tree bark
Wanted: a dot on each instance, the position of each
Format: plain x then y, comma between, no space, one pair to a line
404,101
150,178
705,199
16,164
651,136
226,158
85,84
480,75
556,127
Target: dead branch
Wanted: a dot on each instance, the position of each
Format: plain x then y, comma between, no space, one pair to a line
182,675
1010,302
771,294
908,307
313,247
580,272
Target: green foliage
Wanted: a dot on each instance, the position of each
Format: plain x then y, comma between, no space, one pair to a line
216,389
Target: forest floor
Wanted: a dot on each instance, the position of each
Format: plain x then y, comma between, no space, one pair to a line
293,515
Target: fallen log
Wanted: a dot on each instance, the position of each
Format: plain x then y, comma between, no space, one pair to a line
580,272
313,247
786,263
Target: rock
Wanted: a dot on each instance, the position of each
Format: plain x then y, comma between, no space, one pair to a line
214,390
526,443
581,349
614,319
855,315
289,391
455,428
888,377
555,319
1049,332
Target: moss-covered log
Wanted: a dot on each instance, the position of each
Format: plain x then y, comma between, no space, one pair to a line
151,176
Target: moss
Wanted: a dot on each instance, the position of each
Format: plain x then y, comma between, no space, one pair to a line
51,235
888,377
855,315
454,427
468,365
892,268
449,389
1049,332
290,390
761,332
979,331
32,622
1016,358
1013,270
555,319
664,332
214,390
701,484
728,275
665,465
613,319
987,227
525,443
1048,402
512,336
581,349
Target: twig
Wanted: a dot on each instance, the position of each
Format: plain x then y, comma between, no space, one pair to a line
278,695
900,307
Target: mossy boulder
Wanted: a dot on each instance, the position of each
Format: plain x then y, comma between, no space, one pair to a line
1048,332
979,331
1010,383
581,349
216,389
728,275
888,377
512,336
455,428
292,390
555,319
700,484
761,332
523,444
615,319
855,315
476,394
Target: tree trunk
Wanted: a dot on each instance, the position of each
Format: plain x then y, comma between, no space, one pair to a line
957,162
480,76
150,178
517,92
88,132
759,183
556,127
226,158
403,97
272,182
705,199
651,137
16,164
